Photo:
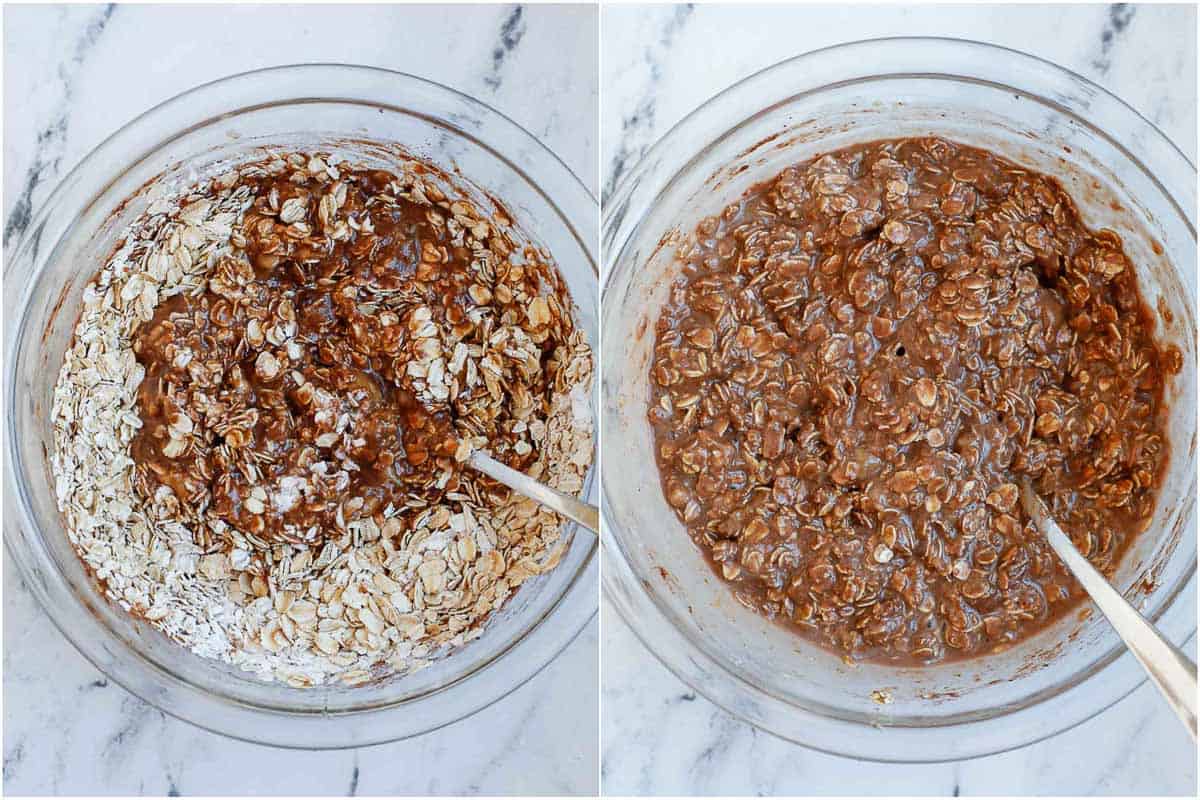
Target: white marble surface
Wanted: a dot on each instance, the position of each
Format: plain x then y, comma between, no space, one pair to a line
72,76
658,63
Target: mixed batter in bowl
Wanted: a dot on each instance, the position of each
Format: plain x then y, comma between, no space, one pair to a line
858,363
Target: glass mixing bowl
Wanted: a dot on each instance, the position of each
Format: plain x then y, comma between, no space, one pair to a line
358,113
1124,175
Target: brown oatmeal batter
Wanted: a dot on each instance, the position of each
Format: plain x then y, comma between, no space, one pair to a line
281,397
861,360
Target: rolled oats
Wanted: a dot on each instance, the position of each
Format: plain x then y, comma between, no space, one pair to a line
261,421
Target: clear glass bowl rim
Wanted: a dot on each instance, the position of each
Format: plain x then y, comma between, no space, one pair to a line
690,663
507,670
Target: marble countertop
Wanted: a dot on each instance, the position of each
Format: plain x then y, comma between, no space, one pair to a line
659,63
73,74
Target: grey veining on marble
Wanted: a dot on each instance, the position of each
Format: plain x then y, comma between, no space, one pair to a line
73,74
658,64
661,62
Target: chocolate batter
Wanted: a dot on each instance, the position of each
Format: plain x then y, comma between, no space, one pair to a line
282,393
861,359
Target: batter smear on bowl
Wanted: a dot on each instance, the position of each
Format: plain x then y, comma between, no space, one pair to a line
860,360
261,422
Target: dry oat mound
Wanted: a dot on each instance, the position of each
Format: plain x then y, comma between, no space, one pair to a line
260,423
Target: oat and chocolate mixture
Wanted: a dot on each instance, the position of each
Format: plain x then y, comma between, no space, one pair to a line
261,423
858,364
282,396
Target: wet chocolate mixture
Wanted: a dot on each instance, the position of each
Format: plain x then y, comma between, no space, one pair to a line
862,359
294,365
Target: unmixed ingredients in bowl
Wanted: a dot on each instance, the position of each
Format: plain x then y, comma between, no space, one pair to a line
261,422
859,362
